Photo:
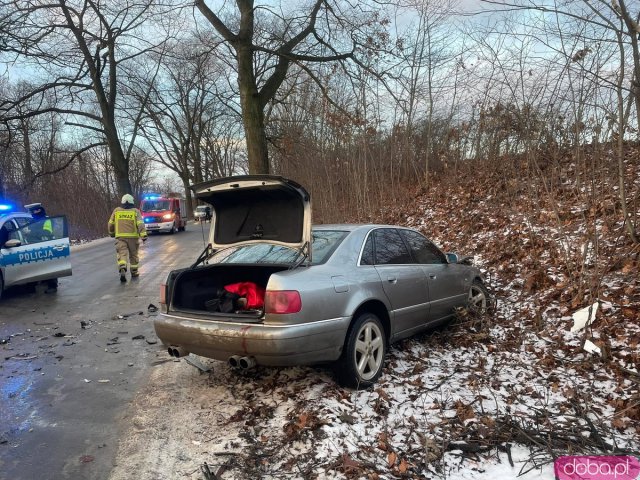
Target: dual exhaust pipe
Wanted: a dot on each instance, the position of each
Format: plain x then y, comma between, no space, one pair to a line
244,363
235,361
177,352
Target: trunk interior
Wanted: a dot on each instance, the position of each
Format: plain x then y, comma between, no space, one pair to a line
196,289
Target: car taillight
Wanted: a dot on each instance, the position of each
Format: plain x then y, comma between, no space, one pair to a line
282,301
163,294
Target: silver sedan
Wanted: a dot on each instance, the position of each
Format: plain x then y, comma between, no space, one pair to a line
262,294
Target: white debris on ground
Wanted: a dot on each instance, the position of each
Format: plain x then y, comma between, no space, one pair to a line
584,317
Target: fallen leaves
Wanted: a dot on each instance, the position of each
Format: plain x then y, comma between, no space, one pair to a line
391,459
464,412
515,377
349,465
305,421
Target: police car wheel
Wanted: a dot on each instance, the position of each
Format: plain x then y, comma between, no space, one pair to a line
1,285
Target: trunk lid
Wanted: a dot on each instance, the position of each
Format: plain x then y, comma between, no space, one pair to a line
257,209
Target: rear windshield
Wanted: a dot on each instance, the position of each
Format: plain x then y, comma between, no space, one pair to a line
154,205
201,208
324,243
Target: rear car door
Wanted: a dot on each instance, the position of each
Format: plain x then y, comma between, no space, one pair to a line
403,281
447,286
44,251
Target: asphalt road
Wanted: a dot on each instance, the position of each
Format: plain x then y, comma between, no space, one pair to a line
70,362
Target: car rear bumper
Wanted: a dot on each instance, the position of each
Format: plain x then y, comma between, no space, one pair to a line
273,345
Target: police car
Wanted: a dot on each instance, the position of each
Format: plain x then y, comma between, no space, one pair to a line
32,250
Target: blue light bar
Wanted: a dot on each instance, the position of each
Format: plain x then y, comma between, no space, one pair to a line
151,197
5,207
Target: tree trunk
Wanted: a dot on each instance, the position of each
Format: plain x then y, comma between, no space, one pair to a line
28,160
252,113
628,221
632,28
119,162
189,198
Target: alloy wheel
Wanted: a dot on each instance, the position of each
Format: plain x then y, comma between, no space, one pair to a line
369,350
478,298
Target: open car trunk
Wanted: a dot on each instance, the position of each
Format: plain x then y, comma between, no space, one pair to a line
249,209
200,289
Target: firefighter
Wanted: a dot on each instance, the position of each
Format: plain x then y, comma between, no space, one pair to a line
127,227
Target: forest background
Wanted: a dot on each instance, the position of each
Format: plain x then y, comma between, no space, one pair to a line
361,102
505,129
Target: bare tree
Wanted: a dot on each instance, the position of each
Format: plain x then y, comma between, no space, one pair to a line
185,113
594,23
76,55
598,28
426,61
267,39
35,147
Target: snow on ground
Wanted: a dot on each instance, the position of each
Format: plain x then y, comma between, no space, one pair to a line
490,397
442,394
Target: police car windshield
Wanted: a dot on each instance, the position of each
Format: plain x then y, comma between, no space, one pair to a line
154,205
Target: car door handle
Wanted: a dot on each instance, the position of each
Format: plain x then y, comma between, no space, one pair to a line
432,276
58,247
392,280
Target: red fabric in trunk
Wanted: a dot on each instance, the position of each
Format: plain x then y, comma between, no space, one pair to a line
252,292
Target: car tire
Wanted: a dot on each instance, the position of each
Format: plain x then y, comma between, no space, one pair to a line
173,228
364,352
1,286
479,299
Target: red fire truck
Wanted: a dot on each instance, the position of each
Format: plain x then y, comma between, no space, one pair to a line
163,214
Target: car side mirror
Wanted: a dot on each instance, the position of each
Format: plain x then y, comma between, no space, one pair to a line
13,243
452,257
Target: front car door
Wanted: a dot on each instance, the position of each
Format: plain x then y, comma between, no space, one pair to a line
10,267
447,283
43,252
403,282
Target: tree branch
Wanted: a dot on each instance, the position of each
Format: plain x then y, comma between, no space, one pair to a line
222,29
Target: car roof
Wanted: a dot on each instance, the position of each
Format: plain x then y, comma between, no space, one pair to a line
7,215
351,227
